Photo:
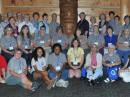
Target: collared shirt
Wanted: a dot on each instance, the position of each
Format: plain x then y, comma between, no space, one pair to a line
16,65
56,60
25,42
117,29
36,25
7,42
41,23
61,39
126,26
110,39
40,40
96,39
52,27
124,40
75,55
111,58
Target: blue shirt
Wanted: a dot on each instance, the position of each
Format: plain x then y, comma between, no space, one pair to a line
109,39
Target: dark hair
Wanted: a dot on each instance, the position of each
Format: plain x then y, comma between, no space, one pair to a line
35,56
56,45
35,13
111,12
44,14
101,15
12,17
109,27
75,34
127,16
21,32
59,27
75,38
18,49
117,16
43,26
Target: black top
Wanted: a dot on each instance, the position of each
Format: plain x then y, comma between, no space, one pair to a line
84,26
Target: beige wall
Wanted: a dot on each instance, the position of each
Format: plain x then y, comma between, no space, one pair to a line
90,7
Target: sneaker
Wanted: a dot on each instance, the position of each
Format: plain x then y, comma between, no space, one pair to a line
107,80
113,81
59,83
35,86
65,84
2,81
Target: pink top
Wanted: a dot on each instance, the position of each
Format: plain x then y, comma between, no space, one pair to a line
93,60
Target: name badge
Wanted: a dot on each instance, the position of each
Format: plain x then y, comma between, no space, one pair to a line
42,42
109,44
11,48
96,43
59,41
26,47
126,42
58,68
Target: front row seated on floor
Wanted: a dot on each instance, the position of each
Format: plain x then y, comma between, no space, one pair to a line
54,71
17,71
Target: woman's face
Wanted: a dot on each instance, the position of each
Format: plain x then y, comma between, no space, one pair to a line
102,17
95,29
75,43
127,32
25,30
57,50
109,30
9,31
94,49
78,33
39,52
12,21
111,50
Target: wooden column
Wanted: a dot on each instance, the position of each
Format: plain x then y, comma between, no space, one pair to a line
68,15
125,8
0,6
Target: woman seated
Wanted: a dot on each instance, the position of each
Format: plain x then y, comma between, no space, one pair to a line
112,62
93,64
110,38
57,63
3,68
124,46
8,43
25,44
17,70
39,67
75,56
124,72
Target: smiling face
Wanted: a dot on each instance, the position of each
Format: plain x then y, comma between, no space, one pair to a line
75,43
25,30
39,52
18,54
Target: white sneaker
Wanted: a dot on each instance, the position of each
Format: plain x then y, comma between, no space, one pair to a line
113,81
65,84
107,80
2,81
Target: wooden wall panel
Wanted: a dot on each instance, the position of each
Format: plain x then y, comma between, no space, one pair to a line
96,7
30,6
90,7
